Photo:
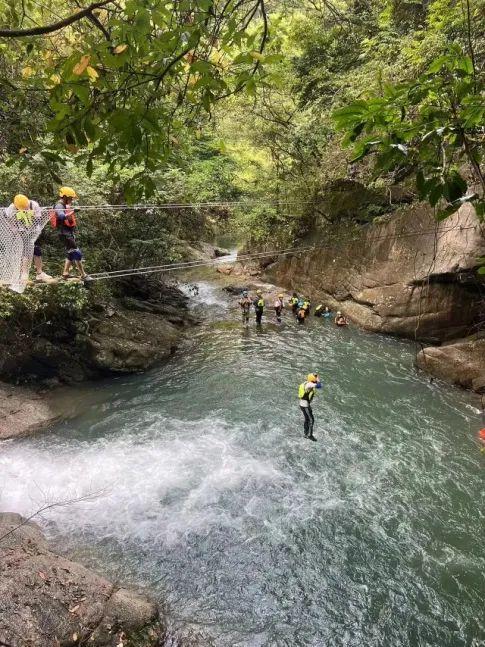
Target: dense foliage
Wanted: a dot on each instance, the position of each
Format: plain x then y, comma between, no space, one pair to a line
121,82
225,101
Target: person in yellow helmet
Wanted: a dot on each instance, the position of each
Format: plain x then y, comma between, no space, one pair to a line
27,221
65,222
258,304
306,393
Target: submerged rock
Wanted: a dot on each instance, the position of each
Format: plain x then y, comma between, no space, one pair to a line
461,362
47,600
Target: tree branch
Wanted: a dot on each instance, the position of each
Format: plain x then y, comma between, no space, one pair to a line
56,26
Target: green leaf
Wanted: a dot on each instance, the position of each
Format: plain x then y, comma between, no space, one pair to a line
435,194
454,186
480,209
464,63
421,184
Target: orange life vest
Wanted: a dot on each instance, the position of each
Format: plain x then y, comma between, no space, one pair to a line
70,220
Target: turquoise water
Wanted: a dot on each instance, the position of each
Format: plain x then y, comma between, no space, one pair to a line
207,494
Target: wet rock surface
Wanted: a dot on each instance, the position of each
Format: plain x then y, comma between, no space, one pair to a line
132,332
47,600
461,362
407,275
24,411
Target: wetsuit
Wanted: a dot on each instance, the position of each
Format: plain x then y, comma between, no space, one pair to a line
259,308
307,391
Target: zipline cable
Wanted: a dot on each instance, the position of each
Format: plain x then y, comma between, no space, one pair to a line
181,205
170,267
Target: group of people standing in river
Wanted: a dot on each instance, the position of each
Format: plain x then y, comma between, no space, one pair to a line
299,306
301,309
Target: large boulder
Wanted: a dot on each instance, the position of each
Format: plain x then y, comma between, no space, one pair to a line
131,332
24,411
47,600
407,275
131,341
461,362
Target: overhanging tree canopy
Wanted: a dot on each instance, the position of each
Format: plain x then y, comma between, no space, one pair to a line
119,80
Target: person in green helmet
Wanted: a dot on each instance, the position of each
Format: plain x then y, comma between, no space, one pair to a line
306,393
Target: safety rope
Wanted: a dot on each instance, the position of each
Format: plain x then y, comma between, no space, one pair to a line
186,265
181,205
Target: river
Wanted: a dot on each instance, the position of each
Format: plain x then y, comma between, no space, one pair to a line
207,494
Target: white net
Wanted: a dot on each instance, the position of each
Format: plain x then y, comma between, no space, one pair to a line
18,232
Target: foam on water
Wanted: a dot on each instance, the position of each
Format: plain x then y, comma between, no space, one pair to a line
207,494
149,487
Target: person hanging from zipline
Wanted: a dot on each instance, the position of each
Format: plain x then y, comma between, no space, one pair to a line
63,219
245,305
25,222
306,393
258,304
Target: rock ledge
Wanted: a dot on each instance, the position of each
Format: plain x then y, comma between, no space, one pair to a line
49,601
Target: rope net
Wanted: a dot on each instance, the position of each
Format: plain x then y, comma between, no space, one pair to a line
18,232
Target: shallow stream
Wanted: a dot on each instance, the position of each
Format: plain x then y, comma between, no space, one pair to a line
207,494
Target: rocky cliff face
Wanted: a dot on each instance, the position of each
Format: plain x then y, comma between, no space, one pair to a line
127,334
408,275
48,600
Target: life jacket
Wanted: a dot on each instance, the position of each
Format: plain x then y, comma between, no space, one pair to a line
26,216
70,220
294,301
305,395
259,303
